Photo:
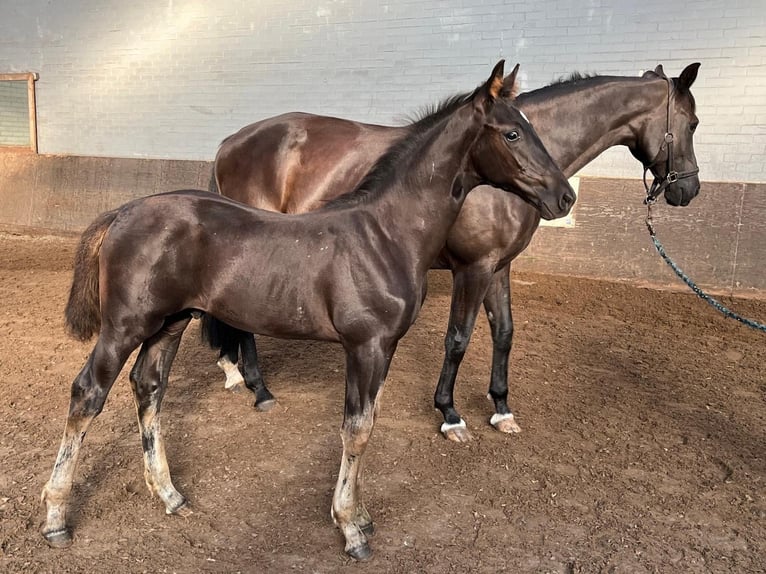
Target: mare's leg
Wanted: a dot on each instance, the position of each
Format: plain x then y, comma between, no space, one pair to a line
366,370
250,376
89,391
149,379
497,304
227,361
468,290
264,400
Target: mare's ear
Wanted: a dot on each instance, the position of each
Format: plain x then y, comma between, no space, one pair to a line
658,72
510,88
687,77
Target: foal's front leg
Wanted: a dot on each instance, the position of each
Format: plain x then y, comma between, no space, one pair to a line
497,304
149,379
468,289
366,370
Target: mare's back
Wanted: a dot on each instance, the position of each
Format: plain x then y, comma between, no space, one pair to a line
296,162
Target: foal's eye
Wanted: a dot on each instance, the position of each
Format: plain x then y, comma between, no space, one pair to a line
693,127
512,136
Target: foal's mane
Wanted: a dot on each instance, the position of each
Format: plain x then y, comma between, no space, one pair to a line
384,172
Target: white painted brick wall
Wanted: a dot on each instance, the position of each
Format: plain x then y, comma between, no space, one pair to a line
170,80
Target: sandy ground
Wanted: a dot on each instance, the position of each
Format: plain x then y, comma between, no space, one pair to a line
643,449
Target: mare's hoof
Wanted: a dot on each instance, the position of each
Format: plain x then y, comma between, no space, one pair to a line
265,406
237,388
368,529
362,553
459,435
456,432
505,423
58,538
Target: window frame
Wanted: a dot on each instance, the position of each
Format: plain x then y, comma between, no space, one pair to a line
30,78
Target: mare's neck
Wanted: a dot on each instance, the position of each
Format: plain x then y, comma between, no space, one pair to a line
578,122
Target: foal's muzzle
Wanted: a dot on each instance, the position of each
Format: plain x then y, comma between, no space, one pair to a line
557,201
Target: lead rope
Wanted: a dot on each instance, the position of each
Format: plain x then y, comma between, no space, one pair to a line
652,193
692,285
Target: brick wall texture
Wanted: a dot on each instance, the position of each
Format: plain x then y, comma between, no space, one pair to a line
170,79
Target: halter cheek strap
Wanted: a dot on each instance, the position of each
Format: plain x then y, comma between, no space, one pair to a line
660,185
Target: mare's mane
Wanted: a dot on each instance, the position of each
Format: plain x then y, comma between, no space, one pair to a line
401,152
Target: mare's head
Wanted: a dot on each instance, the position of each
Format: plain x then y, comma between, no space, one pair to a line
665,144
508,154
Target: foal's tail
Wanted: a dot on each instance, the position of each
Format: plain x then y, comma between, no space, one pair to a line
83,312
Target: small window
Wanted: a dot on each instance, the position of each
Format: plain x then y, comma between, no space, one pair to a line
18,117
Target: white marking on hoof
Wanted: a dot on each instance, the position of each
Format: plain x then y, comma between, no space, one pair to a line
505,423
233,376
445,428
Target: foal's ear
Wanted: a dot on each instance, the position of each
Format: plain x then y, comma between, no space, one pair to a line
687,77
494,84
510,88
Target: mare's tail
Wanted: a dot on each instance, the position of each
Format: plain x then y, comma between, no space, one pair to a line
83,312
218,334
212,185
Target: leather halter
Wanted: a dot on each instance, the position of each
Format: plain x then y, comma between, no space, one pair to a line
660,185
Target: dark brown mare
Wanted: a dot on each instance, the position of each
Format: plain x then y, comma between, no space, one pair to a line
295,162
354,272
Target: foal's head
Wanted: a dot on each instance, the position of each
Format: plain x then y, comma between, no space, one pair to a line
673,119
509,155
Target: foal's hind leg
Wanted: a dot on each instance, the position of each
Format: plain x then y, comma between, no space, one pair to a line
468,290
497,304
149,378
89,391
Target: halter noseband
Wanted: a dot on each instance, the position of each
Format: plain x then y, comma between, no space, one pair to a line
660,185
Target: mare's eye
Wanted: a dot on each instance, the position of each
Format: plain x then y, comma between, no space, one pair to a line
693,127
512,136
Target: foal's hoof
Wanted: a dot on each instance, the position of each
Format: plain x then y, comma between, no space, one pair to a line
367,529
183,510
457,432
58,538
237,388
362,553
265,406
505,423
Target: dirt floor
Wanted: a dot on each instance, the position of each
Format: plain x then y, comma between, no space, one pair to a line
643,450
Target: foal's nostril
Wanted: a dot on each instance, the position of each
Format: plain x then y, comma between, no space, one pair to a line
567,200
